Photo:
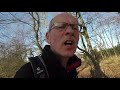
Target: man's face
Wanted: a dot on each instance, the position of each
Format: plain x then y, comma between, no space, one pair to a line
62,38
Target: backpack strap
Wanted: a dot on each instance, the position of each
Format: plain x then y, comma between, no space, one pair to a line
39,67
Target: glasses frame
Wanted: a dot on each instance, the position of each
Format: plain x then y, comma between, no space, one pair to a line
54,25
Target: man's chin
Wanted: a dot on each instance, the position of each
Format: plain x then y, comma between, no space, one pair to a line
68,55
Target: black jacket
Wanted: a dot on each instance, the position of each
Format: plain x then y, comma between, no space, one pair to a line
55,69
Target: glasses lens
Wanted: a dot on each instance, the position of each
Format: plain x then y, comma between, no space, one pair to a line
76,27
59,25
63,26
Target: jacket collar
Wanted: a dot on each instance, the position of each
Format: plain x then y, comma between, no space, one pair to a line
52,59
54,66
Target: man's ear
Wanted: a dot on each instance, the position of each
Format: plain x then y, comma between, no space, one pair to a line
48,37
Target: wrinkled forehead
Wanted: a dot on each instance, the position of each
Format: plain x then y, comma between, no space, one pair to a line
64,17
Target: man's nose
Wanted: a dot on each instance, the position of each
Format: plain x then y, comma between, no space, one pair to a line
69,30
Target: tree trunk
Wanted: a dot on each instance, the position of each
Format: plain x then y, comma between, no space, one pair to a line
36,26
96,71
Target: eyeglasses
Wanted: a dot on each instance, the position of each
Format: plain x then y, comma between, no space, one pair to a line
64,26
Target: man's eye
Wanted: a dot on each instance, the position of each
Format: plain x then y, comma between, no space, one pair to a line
62,26
75,27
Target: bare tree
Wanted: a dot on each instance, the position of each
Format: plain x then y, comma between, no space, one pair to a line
36,26
96,70
36,22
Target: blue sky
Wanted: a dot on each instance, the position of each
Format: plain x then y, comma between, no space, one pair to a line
10,29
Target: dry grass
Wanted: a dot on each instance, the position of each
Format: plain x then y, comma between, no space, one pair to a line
110,67
84,71
8,68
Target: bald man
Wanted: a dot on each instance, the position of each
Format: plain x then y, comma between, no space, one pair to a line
58,57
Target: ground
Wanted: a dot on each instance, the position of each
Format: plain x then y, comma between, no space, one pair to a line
110,67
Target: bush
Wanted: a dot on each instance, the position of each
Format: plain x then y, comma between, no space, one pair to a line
8,67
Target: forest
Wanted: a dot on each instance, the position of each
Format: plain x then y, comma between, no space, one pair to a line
22,35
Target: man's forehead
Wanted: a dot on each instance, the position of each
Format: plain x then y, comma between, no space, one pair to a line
63,17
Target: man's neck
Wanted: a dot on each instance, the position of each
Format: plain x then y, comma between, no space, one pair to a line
64,62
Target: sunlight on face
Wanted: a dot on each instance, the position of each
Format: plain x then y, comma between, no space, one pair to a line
64,42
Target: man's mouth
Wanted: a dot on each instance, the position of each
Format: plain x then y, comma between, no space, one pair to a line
68,42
